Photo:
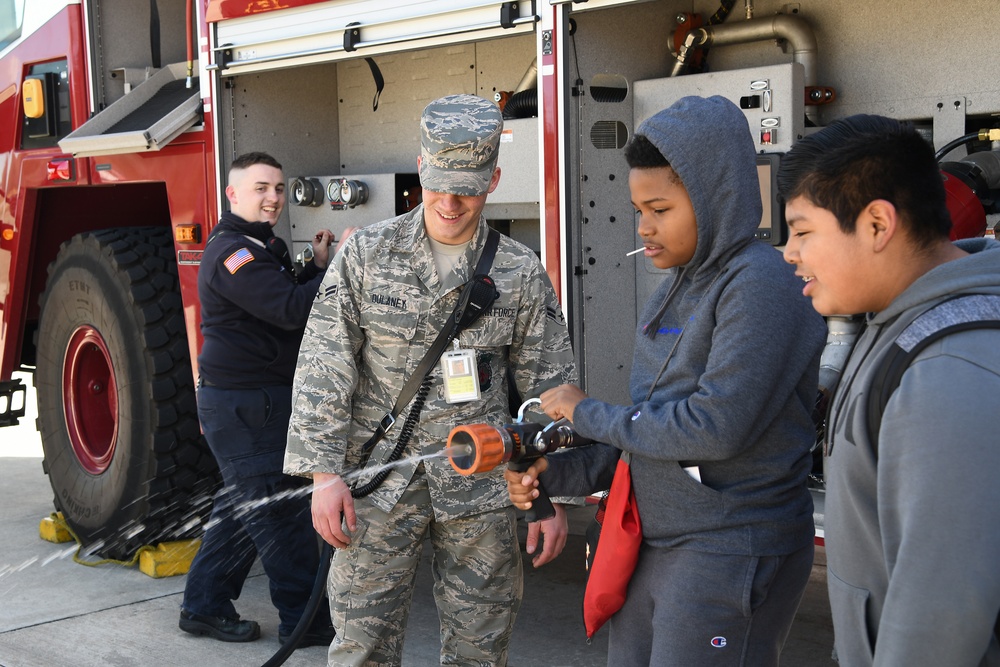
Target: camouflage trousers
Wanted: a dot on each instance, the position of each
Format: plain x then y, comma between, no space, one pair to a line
478,582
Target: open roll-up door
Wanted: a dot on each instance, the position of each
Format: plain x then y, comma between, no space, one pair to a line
334,30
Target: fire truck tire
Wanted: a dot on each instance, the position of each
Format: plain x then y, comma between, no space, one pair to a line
116,401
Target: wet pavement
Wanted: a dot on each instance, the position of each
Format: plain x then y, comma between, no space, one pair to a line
55,613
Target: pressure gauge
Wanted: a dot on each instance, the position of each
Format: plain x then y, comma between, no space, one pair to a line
353,193
345,193
333,192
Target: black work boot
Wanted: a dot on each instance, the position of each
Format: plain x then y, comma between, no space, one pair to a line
219,627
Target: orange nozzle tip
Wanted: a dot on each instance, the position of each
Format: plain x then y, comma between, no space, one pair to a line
486,444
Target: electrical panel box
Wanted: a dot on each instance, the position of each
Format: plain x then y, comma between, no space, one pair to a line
772,98
773,101
772,229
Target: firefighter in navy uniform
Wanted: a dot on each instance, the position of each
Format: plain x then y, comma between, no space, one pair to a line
254,309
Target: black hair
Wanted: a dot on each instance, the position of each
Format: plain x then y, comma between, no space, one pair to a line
640,153
248,160
858,159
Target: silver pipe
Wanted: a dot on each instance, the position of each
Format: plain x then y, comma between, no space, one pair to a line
530,78
793,29
693,39
841,332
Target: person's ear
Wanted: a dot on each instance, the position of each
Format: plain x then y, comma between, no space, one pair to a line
494,180
880,220
231,194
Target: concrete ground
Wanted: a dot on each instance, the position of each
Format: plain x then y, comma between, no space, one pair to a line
57,613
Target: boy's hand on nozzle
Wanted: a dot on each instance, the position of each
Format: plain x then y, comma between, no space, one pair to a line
561,401
522,487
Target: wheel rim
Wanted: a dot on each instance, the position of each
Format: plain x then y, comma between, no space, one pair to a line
90,399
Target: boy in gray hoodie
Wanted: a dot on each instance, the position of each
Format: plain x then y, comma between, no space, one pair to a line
912,531
723,384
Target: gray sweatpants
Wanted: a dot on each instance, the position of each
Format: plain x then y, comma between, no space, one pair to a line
688,608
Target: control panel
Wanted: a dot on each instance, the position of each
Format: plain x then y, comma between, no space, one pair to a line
773,100
341,201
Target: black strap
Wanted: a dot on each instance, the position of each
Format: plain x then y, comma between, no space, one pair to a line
379,81
963,313
154,34
473,301
352,37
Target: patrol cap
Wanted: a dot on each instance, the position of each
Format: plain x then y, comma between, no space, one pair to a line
459,144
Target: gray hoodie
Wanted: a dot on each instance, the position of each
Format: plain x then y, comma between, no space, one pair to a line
912,529
738,386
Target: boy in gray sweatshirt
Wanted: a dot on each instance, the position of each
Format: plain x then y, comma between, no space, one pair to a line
912,531
723,384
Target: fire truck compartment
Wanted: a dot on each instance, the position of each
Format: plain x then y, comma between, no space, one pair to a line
146,119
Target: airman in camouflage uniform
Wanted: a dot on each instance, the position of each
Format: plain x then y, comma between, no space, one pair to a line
378,311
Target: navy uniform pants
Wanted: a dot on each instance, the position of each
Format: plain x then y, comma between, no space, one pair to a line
257,512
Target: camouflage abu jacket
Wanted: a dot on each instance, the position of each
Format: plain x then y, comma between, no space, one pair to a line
379,309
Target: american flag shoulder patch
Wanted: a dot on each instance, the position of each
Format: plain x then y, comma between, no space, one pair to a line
238,259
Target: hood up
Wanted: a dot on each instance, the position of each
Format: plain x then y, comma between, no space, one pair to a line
707,142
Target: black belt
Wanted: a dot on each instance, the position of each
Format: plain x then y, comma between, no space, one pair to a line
202,382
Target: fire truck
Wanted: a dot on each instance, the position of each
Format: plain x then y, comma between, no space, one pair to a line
121,118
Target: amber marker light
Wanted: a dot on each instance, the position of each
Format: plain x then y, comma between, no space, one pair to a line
187,233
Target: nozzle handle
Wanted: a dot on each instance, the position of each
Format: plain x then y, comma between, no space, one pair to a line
541,507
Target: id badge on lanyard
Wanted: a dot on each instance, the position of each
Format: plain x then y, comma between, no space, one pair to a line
461,376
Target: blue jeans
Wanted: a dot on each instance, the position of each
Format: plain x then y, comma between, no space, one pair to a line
246,431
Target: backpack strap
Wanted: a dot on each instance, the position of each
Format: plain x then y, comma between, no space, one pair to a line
962,313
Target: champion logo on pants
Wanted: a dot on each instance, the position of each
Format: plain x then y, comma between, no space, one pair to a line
718,642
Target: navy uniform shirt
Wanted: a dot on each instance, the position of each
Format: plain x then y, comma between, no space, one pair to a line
253,308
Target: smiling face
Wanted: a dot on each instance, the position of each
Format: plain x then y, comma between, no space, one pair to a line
835,266
452,219
667,224
257,193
